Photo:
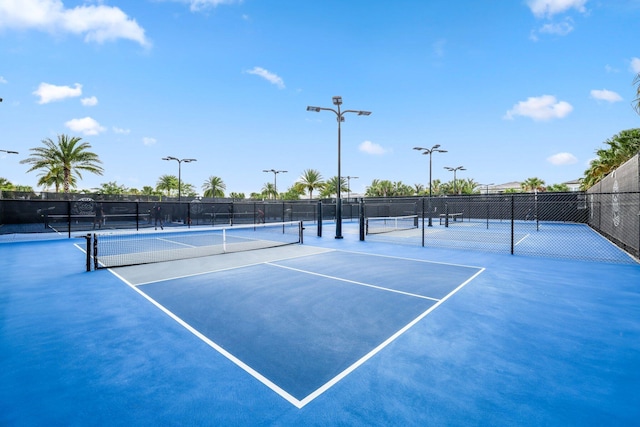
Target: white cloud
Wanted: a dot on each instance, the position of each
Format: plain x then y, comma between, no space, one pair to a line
548,8
561,159
3,80
371,148
49,93
89,102
148,141
87,126
559,29
196,5
635,65
268,76
98,23
545,107
605,95
121,130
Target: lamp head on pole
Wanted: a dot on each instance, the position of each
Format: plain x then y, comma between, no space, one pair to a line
316,109
337,100
189,160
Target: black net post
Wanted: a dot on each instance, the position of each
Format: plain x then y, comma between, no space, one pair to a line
95,251
361,219
69,218
88,247
137,216
319,219
446,214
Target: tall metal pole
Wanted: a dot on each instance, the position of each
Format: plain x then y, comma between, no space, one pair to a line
337,101
430,151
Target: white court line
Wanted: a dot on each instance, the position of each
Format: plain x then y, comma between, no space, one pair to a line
388,341
352,282
297,403
521,240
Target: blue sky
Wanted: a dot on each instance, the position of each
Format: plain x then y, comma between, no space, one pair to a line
512,89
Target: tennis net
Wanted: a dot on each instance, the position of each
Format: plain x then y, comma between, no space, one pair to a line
387,224
124,249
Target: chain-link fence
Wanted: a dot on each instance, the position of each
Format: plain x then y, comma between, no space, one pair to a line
566,225
84,214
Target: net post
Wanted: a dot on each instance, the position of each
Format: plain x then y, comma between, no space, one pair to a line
301,232
137,216
446,214
88,237
361,220
319,219
95,251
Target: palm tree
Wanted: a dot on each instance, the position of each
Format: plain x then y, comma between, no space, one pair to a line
621,147
534,184
6,185
330,187
380,188
167,183
69,156
311,180
269,190
214,187
418,189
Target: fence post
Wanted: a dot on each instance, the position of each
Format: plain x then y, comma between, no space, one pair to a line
512,222
319,219
423,219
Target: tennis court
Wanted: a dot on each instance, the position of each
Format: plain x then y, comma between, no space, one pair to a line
330,332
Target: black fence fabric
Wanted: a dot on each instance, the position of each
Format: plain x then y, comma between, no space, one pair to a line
570,225
565,225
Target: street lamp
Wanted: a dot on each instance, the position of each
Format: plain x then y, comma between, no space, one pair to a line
454,170
430,151
349,178
9,152
337,101
275,174
179,170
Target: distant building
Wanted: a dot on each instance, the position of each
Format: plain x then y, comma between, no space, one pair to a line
573,185
502,188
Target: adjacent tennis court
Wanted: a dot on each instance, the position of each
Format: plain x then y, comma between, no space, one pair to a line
330,332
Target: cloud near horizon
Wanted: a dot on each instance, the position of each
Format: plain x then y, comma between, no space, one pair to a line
541,108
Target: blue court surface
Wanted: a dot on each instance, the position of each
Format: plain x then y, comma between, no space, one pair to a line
331,332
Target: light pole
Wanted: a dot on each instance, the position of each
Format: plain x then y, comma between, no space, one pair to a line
179,170
430,151
487,188
349,178
337,101
454,170
275,183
